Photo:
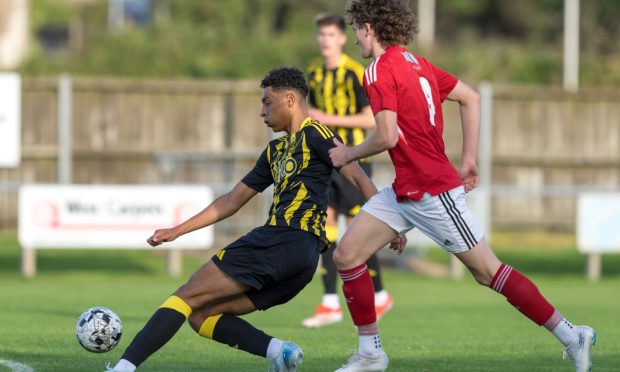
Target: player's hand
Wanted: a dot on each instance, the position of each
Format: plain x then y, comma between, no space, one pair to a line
160,236
399,243
469,175
338,154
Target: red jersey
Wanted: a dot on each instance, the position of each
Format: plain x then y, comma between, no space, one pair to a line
413,88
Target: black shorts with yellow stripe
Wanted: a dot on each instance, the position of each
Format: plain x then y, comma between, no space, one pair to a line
276,262
343,196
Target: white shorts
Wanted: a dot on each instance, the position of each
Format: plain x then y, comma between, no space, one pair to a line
444,218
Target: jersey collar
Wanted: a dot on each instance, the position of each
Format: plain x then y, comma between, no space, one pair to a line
305,123
341,61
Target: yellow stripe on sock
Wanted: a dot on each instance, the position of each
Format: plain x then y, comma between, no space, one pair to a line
331,232
177,303
355,210
207,327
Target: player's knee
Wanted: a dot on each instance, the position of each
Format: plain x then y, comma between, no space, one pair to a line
184,294
195,321
339,257
482,278
344,258
181,292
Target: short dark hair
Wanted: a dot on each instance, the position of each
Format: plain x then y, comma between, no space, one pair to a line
286,78
393,20
325,19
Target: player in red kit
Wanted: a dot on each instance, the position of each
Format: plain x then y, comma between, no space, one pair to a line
405,93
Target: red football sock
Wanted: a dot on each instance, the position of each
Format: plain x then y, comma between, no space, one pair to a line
522,294
359,293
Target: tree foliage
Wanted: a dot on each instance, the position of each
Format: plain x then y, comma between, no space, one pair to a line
505,41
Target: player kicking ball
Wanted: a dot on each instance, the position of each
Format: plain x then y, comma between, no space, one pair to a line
272,263
405,93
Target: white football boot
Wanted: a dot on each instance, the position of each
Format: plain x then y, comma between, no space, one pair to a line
580,350
288,359
110,369
361,363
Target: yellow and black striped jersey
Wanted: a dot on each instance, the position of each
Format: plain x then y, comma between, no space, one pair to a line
339,92
299,167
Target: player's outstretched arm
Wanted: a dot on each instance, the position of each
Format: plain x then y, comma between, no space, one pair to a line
356,176
469,101
383,138
222,207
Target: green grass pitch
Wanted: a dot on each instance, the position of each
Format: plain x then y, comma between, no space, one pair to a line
436,324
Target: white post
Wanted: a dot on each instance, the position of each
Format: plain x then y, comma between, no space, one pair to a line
457,269
485,159
116,14
426,18
29,262
14,34
571,45
175,262
64,130
594,266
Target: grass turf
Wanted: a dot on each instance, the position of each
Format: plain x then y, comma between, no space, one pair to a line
436,324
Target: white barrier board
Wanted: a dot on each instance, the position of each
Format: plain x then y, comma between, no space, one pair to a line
598,222
115,216
10,120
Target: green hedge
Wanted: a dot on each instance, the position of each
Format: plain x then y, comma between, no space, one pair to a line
513,42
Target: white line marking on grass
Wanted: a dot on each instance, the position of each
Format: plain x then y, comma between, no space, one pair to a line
16,367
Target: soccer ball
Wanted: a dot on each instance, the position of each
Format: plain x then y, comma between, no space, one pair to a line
98,329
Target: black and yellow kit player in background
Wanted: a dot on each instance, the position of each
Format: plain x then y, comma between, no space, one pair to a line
272,263
338,100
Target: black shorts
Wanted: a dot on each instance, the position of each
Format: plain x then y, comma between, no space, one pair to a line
276,262
343,196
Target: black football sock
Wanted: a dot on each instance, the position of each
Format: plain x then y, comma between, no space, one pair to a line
375,272
235,332
162,326
330,274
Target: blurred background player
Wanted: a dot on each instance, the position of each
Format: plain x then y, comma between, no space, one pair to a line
406,92
339,101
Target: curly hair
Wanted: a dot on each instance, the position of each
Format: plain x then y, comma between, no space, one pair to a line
393,20
286,78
